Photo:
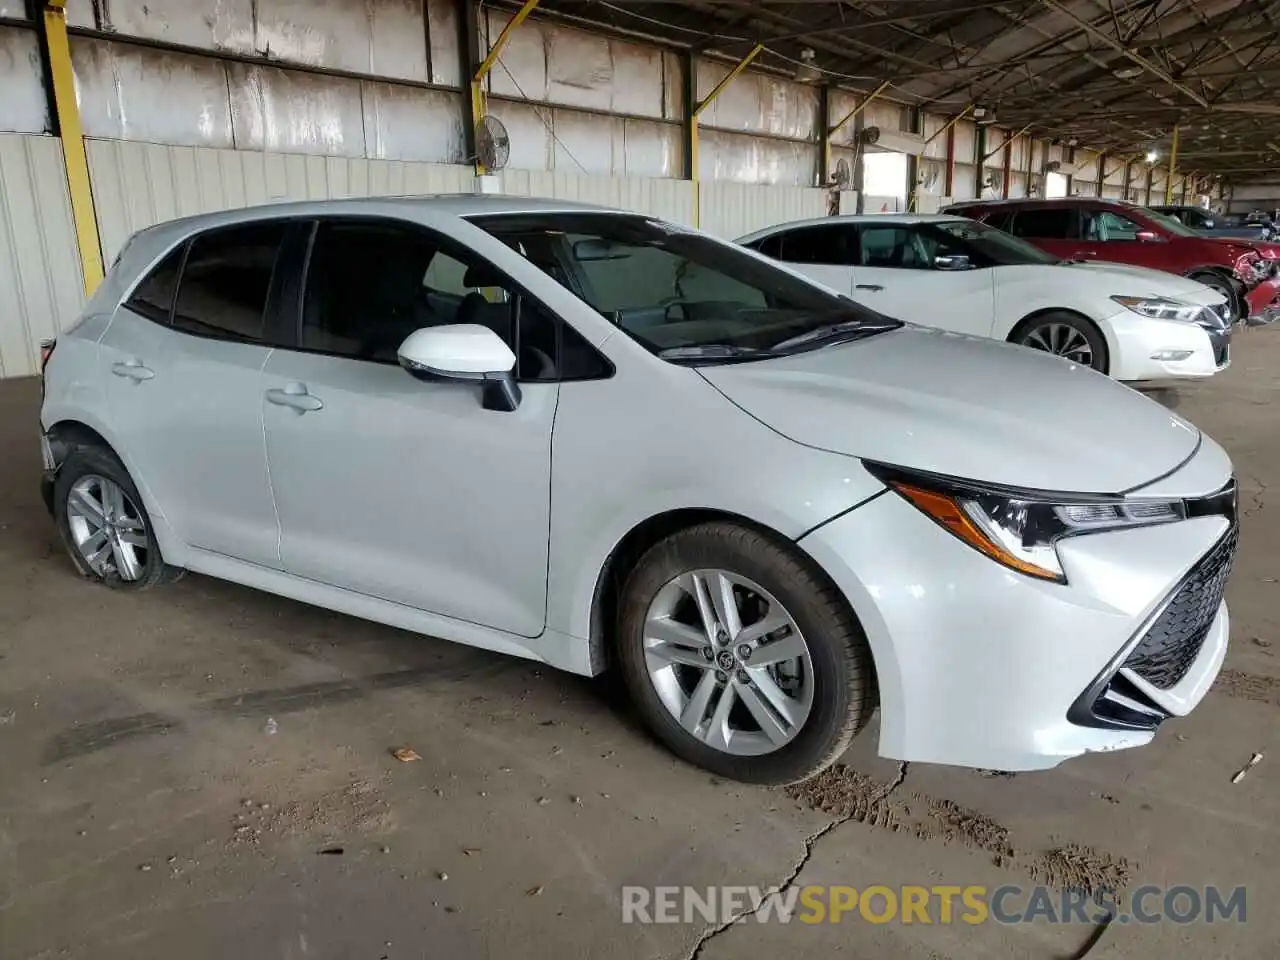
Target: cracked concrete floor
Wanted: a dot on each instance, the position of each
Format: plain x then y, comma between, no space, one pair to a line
146,808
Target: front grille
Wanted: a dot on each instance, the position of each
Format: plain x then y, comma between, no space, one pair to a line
1171,644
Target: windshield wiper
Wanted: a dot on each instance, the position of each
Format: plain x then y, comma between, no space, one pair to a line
712,352
846,330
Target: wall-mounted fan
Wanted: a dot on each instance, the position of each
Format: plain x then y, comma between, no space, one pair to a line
927,176
843,174
869,135
493,146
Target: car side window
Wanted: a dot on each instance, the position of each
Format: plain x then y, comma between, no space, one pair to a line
770,246
1000,219
828,244
226,280
892,246
1107,225
153,296
370,285
1051,223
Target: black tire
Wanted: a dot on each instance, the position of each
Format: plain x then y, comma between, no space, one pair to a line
92,460
1100,358
843,670
1228,288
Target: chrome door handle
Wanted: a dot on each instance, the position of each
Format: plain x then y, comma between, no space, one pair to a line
297,398
133,370
867,286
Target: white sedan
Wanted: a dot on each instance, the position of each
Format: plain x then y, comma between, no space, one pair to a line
1129,322
590,437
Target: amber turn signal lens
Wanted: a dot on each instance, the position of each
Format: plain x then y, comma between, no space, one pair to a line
948,513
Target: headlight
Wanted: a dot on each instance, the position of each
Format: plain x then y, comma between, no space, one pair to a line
1159,308
1020,529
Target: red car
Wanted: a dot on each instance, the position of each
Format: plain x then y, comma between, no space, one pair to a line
1080,228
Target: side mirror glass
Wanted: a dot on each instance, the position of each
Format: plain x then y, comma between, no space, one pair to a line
956,261
1145,236
465,352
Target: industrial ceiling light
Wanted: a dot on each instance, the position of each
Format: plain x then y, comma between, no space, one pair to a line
1127,73
1153,156
806,70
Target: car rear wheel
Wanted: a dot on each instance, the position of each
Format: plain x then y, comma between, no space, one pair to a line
741,657
104,525
1065,335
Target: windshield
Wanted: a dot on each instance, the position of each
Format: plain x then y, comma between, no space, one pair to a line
681,294
985,244
1172,224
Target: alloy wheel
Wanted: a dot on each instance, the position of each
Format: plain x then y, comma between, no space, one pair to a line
728,662
107,528
1062,340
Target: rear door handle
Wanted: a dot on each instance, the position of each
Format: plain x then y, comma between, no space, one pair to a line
295,396
867,286
133,370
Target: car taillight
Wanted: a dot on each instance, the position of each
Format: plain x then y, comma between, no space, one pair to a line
46,351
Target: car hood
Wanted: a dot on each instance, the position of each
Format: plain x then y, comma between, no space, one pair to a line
1130,281
965,407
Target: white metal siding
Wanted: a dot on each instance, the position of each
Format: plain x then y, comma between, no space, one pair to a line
730,210
138,184
41,287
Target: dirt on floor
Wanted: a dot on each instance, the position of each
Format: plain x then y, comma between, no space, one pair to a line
205,771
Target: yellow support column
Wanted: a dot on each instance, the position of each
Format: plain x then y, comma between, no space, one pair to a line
69,129
477,81
698,107
1173,165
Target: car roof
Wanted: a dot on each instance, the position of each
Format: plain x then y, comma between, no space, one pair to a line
443,205
1035,201
899,218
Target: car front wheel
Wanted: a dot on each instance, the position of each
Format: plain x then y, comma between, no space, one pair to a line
741,657
1065,335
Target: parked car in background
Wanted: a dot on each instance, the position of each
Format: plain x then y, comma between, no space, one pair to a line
1082,228
1209,224
961,275
771,508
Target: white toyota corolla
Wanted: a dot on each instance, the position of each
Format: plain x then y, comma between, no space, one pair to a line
1132,323
591,437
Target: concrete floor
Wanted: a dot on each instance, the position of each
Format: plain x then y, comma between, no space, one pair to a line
147,810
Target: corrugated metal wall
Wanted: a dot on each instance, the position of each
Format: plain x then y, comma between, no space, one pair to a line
730,210
138,184
41,287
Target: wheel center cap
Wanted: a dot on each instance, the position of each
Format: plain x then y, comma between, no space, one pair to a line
725,661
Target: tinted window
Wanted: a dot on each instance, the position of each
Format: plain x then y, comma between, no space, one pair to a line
226,280
1107,225
371,285
153,297
826,244
982,244
893,246
769,246
1000,219
1053,223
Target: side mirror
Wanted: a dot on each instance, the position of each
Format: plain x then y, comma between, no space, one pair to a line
957,261
465,352
1145,236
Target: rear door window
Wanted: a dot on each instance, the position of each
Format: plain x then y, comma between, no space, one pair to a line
153,297
827,244
1045,223
226,282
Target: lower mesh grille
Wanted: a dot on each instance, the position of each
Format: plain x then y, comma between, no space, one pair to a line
1171,645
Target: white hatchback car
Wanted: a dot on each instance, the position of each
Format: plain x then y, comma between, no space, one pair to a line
956,274
590,437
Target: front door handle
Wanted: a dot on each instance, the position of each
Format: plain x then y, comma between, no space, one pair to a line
867,286
295,396
133,370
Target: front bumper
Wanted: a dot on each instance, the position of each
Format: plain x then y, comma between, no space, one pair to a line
1140,347
1263,302
980,666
